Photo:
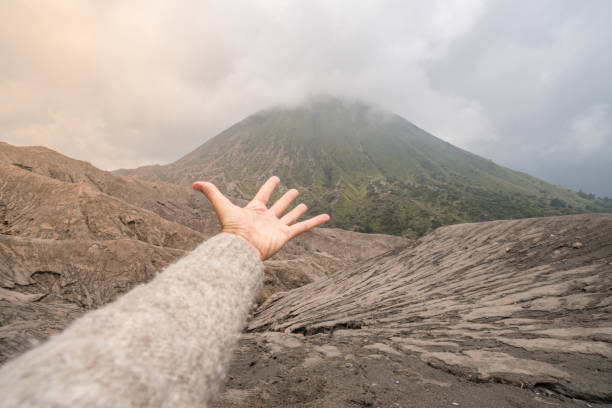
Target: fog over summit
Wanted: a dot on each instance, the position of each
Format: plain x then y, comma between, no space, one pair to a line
128,84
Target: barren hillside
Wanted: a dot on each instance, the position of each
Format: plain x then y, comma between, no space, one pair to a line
526,303
73,237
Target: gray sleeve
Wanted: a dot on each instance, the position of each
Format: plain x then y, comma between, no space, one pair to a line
166,343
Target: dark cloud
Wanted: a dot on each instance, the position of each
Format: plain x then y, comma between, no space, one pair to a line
540,71
123,84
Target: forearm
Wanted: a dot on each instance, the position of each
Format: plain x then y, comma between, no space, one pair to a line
166,343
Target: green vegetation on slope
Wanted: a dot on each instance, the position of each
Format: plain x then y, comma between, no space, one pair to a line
371,170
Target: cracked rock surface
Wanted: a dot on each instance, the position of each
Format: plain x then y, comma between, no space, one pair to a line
512,302
361,370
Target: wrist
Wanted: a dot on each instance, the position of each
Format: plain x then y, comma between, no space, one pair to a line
238,234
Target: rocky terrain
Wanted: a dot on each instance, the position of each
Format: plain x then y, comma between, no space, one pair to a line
504,313
73,237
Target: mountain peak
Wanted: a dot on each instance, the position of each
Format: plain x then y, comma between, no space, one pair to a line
370,169
322,101
326,107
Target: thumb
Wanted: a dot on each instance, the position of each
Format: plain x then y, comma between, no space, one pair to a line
219,202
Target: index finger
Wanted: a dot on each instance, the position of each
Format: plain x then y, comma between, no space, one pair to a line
216,198
265,191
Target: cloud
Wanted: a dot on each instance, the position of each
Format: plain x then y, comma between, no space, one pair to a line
123,84
127,83
590,131
539,73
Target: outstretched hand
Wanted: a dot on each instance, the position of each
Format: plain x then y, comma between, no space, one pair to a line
259,225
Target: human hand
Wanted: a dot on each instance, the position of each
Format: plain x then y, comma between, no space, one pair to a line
258,225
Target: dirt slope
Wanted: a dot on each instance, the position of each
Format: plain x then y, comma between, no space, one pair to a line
174,203
525,302
45,283
35,206
73,237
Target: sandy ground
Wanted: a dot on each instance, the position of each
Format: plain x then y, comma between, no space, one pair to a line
288,370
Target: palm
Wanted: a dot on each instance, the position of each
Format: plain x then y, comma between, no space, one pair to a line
262,227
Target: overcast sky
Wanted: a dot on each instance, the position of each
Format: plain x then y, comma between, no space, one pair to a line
127,83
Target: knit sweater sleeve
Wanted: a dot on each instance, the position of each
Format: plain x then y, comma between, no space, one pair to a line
165,343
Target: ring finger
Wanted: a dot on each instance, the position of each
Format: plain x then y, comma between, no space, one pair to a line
294,214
